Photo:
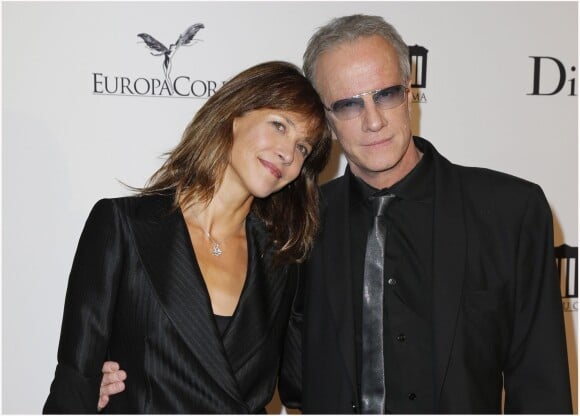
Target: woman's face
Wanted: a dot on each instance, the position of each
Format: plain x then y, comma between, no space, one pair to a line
269,149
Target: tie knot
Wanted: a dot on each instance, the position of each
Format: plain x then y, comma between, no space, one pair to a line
380,203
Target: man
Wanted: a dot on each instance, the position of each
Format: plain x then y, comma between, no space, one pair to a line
471,293
469,301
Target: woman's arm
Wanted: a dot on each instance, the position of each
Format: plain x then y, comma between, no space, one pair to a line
88,313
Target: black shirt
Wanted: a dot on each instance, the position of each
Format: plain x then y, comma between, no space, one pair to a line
408,283
222,323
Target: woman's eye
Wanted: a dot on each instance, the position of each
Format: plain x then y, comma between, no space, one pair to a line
303,149
279,126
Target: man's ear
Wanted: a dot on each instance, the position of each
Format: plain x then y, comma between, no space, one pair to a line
332,129
409,99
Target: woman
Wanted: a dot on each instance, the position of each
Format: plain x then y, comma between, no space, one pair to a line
185,285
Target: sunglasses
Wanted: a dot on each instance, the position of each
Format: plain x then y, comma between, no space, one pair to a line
386,98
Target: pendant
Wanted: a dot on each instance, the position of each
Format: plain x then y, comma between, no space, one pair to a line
216,250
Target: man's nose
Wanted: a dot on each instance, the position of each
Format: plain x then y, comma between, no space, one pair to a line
373,117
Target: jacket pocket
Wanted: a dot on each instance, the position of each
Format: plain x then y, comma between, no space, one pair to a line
486,326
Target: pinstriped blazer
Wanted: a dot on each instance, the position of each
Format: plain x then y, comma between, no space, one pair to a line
136,295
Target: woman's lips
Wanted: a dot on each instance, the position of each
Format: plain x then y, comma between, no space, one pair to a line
273,169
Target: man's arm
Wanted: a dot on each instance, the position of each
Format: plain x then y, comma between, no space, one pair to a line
536,374
113,382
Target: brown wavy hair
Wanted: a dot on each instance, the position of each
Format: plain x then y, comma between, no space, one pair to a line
195,168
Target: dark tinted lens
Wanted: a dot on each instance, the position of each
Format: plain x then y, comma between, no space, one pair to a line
390,97
348,108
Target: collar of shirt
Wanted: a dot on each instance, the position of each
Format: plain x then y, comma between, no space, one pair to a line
416,186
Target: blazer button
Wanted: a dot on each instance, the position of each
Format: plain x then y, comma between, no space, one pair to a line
392,281
412,396
401,337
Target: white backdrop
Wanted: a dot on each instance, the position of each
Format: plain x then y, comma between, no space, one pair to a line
67,142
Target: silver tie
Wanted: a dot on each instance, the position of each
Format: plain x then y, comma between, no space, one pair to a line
373,392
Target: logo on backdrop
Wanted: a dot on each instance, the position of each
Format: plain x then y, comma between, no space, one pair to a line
418,61
550,77
181,86
185,39
567,263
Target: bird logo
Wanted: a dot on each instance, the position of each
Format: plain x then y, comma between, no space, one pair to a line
159,49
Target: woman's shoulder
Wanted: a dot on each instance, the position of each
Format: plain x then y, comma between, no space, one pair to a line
136,206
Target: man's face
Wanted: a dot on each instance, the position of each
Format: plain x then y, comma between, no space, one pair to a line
377,143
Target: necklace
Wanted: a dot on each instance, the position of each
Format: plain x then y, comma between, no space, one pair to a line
216,248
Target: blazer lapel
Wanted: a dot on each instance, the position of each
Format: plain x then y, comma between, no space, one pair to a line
449,262
336,273
259,301
163,241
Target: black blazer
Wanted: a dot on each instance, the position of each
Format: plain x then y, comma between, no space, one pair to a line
496,302
136,296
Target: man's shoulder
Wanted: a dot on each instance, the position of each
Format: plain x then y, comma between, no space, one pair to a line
332,191
333,186
473,174
485,178
481,186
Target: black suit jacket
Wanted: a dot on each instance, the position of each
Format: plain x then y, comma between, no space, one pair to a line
136,295
497,312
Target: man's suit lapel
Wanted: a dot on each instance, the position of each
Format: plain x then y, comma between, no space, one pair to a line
167,254
449,263
336,271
